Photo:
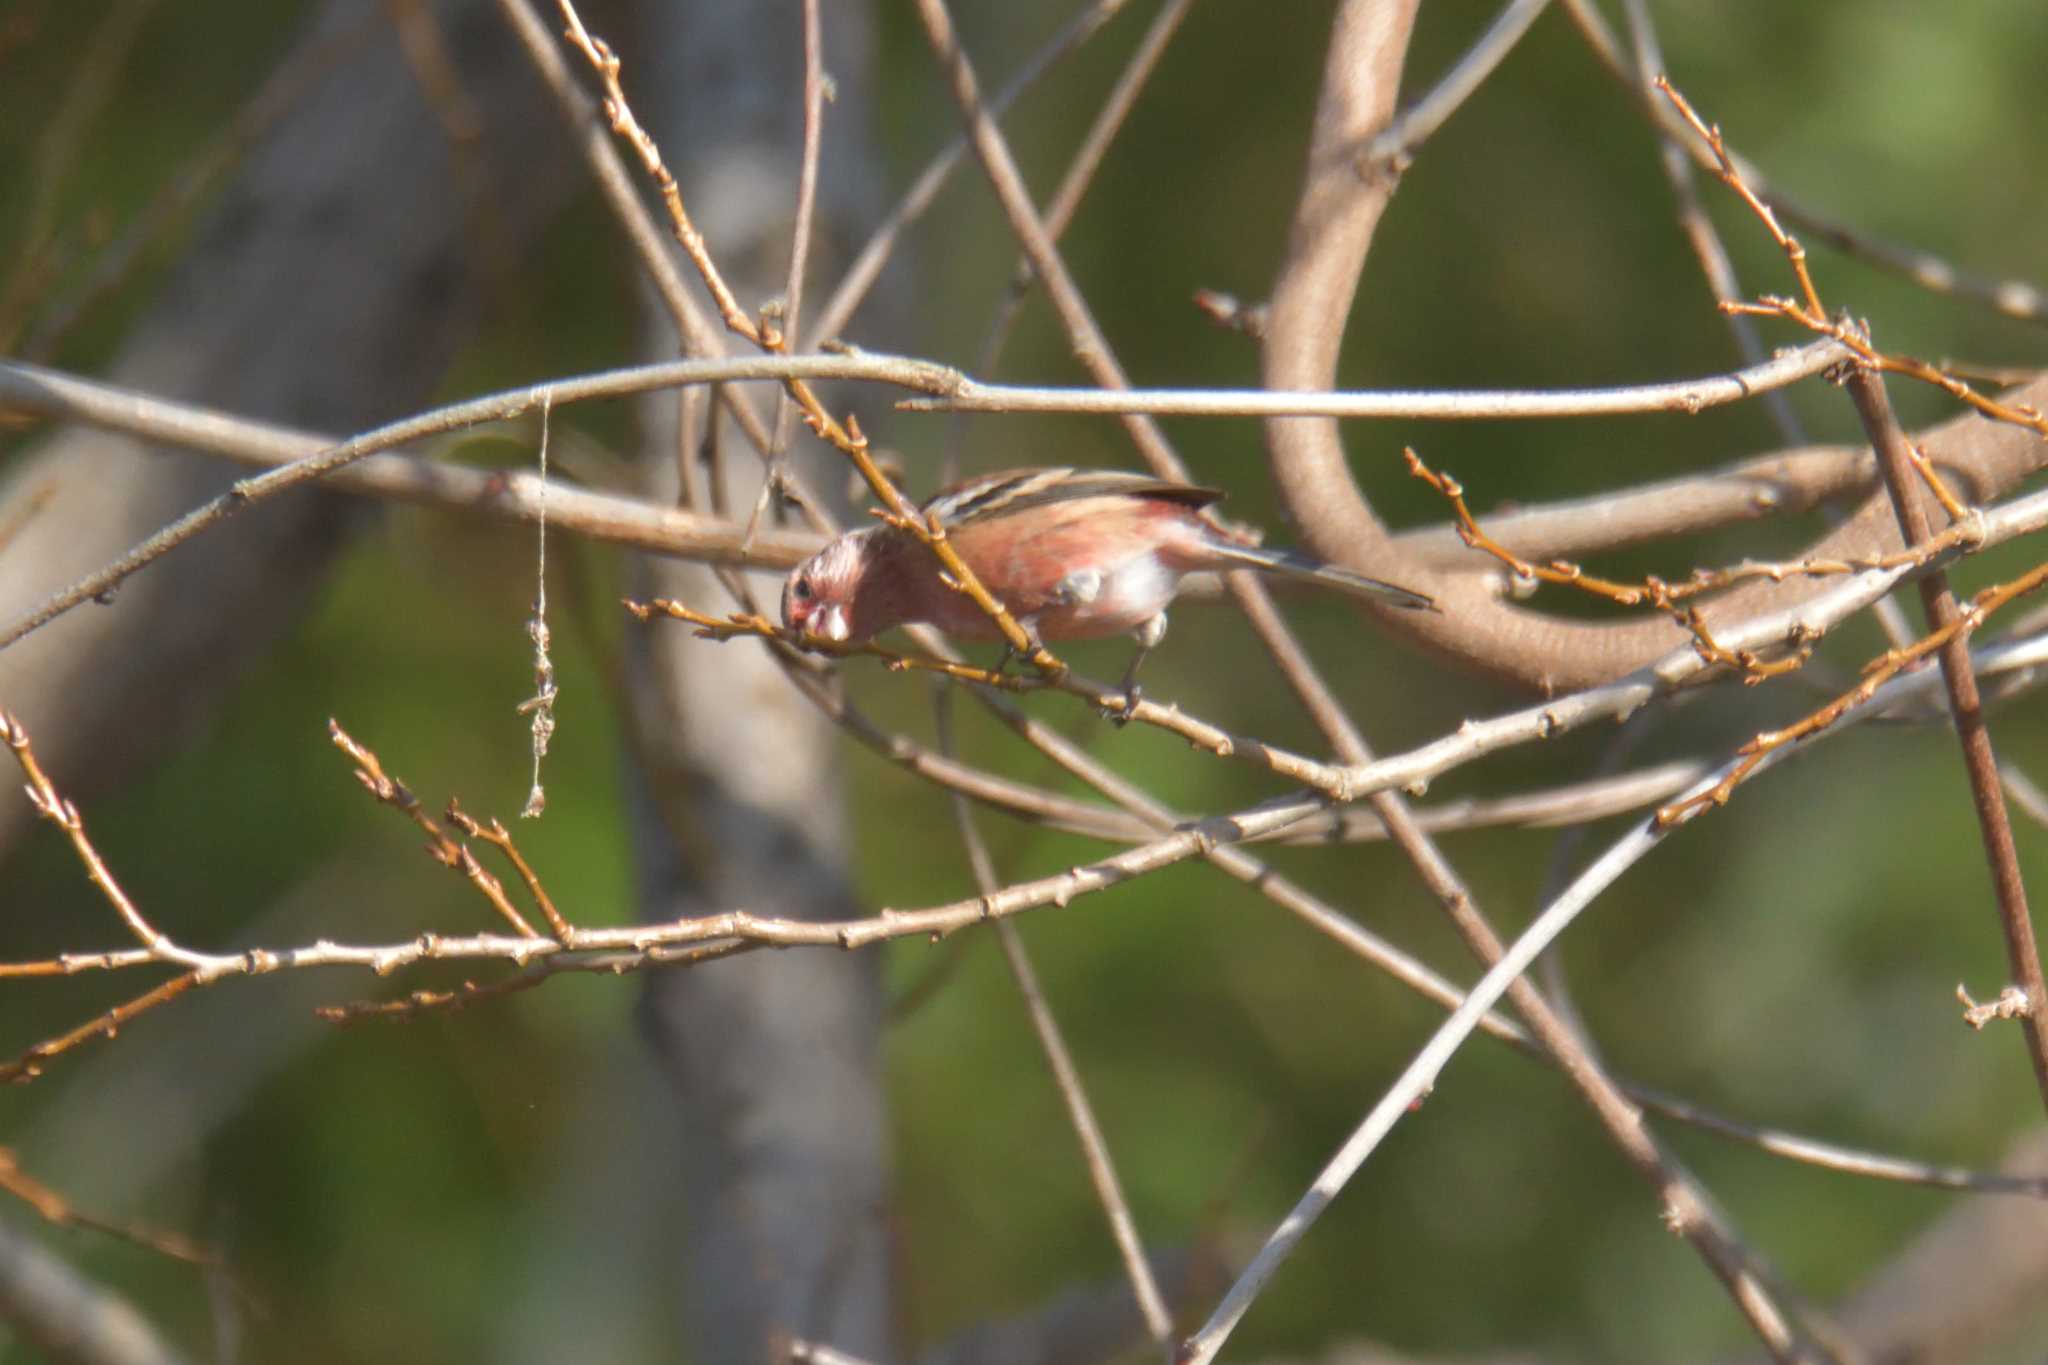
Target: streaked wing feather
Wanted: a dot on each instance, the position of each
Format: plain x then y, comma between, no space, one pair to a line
1017,490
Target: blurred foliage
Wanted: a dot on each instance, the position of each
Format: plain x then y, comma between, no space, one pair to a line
1789,959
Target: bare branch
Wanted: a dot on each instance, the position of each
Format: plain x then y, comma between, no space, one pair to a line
1066,1076
514,495
1419,1078
1395,146
1684,396
2014,298
1902,481
1700,234
74,1320
1333,228
1094,1146
495,407
1080,174
699,335
1790,482
867,265
53,1208
52,806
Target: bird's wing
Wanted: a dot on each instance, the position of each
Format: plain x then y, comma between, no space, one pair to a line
1016,490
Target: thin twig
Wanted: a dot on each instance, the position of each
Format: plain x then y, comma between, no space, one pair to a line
689,941
1415,125
1080,173
1671,598
1065,1074
1285,762
1686,396
35,389
1093,349
1414,1086
445,850
791,319
698,334
508,494
1879,671
807,171
867,264
620,115
1746,490
1903,482
29,1064
846,437
1808,311
1807,621
1088,1130
53,1208
495,407
1084,334
1370,948
1700,234
1473,740
2014,298
1711,1235
1788,482
44,797
1719,269
497,836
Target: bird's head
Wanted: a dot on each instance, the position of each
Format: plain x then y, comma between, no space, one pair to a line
818,598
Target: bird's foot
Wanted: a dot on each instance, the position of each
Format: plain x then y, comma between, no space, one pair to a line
1033,646
1119,710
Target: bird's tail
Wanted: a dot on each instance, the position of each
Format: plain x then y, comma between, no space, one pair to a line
1295,564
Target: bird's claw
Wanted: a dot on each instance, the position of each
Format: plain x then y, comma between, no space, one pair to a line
1034,646
1119,710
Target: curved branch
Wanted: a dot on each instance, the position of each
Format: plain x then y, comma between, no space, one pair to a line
1334,221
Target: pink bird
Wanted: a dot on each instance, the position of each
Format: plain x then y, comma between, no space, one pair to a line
1073,554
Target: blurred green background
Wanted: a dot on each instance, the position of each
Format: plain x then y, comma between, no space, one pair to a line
1790,959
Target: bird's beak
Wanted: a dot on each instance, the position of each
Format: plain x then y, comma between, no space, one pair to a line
831,623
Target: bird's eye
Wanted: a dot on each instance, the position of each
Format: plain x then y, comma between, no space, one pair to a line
803,590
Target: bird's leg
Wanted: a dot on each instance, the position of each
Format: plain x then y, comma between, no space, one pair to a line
1029,625
1147,636
1078,588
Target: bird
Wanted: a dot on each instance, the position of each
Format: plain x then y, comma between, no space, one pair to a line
1072,554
